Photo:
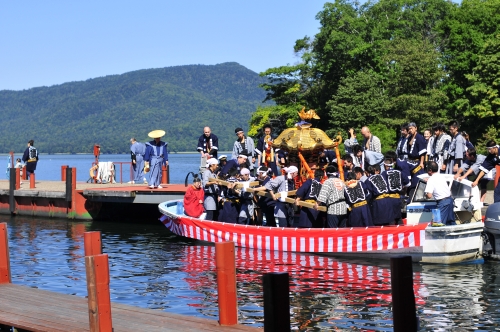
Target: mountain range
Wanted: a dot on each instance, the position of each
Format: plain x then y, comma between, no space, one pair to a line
72,117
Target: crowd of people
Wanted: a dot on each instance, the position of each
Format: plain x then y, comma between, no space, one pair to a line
374,189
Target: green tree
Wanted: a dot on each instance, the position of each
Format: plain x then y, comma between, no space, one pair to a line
465,32
413,82
279,116
491,133
360,100
351,47
485,80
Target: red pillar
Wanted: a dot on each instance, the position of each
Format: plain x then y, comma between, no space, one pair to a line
92,243
99,301
226,283
73,191
63,172
164,177
4,255
18,178
32,180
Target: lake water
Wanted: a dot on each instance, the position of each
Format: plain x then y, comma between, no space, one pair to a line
152,268
49,166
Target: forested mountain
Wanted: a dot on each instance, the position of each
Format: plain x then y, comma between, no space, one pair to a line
72,117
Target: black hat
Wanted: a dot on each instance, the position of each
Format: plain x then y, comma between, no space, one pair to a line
237,130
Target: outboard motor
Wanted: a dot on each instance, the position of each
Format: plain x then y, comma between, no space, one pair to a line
491,247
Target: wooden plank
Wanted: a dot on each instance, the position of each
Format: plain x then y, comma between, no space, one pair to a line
268,194
277,195
42,311
92,294
236,184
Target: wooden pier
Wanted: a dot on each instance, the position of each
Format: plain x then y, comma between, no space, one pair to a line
38,310
85,201
31,309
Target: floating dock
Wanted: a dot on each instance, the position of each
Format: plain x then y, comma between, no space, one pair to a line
85,201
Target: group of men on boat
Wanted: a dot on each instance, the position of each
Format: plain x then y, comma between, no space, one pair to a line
376,185
259,181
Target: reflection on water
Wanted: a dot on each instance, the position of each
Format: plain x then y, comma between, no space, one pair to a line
152,268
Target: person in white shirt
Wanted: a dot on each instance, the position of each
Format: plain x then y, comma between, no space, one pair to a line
438,188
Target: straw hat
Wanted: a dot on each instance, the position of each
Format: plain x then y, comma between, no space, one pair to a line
156,133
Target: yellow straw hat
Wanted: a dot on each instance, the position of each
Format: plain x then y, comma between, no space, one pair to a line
156,133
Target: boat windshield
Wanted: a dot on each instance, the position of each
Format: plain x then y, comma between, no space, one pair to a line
458,190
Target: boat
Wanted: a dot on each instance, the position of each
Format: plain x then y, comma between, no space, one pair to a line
492,232
417,238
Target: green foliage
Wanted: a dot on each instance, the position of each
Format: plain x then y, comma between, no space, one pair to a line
394,61
465,32
491,133
280,117
388,136
486,81
360,100
72,117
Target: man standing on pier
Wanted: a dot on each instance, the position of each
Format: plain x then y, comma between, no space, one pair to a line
137,151
156,156
208,144
30,158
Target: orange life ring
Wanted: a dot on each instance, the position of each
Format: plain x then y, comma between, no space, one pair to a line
93,171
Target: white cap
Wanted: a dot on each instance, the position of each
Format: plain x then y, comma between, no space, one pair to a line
291,169
245,171
212,161
223,156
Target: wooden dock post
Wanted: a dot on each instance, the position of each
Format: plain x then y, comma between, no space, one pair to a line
63,172
18,178
276,301
92,243
164,176
25,174
12,187
5,277
99,301
226,283
71,191
32,180
404,313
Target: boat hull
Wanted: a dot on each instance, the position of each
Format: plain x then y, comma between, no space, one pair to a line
440,245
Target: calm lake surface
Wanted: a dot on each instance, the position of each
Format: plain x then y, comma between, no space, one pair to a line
152,268
49,166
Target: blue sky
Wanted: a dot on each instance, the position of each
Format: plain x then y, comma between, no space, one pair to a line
52,42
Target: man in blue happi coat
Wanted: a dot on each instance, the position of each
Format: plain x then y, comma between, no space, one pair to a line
266,154
208,144
492,160
137,151
416,146
30,158
155,157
